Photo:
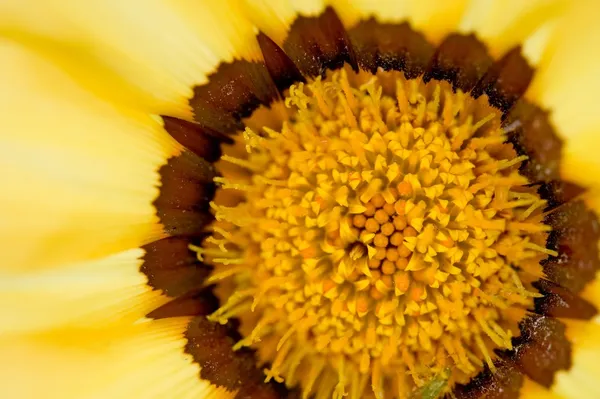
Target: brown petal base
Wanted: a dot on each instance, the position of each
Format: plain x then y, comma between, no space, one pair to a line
314,45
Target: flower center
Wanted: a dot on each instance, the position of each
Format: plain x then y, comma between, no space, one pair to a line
382,236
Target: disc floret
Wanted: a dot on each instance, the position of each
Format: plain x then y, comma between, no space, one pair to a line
381,236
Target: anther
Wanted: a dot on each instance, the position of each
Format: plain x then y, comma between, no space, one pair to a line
381,227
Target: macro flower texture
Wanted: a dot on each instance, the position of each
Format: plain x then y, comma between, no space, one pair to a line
299,199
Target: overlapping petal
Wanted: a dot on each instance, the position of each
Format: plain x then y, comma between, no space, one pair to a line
532,390
567,83
145,360
79,160
143,54
505,24
580,381
78,175
275,17
434,18
83,295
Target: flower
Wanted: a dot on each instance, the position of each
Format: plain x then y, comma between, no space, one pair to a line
361,159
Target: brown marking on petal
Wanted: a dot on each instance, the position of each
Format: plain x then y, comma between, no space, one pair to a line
574,236
186,189
210,344
391,47
171,267
202,141
542,349
530,132
572,269
506,80
316,44
461,60
232,93
282,69
504,383
195,304
559,192
560,302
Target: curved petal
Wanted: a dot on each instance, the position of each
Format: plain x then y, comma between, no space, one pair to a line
86,294
80,175
504,24
433,17
568,84
274,17
581,380
146,54
591,293
145,360
532,390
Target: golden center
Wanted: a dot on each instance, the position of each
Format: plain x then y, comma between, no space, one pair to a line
379,237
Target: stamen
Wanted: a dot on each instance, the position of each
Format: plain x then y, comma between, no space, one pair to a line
226,184
382,238
240,162
253,140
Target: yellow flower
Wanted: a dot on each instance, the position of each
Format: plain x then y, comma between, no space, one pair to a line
263,199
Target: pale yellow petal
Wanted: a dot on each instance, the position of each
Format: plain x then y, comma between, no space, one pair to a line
591,292
145,360
567,82
434,18
78,177
274,17
504,24
581,380
87,294
143,53
532,390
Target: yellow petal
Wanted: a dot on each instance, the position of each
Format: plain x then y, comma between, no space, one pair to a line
567,83
145,360
591,291
274,17
78,177
504,24
532,390
146,54
84,295
581,381
434,18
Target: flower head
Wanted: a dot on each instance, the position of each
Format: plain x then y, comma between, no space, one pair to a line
326,200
